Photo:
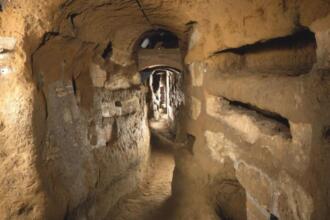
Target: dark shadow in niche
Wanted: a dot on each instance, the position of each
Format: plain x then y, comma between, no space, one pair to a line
114,134
291,55
265,113
118,104
107,53
297,40
273,217
229,192
326,134
74,86
2,126
275,117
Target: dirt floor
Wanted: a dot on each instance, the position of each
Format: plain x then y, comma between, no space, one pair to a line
153,198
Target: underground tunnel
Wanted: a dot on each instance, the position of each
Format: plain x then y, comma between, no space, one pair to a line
164,109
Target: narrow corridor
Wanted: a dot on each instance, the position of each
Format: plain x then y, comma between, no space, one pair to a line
152,199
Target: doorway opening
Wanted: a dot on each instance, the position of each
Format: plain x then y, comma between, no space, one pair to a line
164,98
160,64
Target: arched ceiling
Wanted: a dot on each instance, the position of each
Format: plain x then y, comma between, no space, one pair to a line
220,24
121,22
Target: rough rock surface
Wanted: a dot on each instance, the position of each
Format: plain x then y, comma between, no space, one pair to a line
74,139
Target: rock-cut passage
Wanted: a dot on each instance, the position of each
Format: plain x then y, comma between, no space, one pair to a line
152,200
97,98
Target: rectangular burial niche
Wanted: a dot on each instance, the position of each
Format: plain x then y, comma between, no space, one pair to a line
280,124
297,40
290,55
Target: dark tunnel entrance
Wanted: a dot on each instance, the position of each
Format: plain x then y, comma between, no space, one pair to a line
160,62
164,98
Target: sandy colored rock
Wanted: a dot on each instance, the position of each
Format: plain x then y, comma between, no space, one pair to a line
197,72
98,75
262,191
293,202
252,138
7,43
255,212
195,108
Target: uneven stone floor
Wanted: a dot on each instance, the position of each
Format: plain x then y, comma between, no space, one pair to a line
152,200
